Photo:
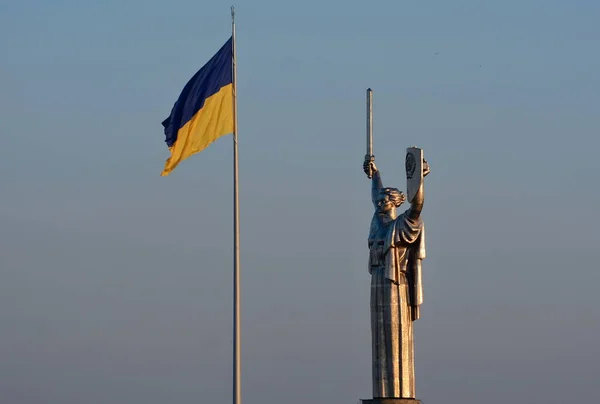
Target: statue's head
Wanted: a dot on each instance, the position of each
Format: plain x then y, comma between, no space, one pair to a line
389,199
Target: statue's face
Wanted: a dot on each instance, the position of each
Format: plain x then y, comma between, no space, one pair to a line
384,204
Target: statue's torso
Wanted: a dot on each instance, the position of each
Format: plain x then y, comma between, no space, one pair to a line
378,248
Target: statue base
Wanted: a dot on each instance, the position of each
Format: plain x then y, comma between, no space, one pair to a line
391,401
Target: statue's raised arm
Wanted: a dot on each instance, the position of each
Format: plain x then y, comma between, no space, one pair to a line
372,172
416,205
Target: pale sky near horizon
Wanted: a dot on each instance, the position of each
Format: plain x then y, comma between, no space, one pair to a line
115,283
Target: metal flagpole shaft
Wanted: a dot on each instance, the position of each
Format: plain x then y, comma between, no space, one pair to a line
237,393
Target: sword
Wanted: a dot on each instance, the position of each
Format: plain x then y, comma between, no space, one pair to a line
369,156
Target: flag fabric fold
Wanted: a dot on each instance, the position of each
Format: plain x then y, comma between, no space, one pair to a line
204,110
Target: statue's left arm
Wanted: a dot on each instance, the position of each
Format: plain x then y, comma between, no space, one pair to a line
417,252
416,205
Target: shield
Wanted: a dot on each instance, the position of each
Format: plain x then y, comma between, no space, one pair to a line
414,171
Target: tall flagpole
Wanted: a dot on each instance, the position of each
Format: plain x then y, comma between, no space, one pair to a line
237,393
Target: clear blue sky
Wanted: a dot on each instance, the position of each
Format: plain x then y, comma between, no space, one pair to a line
115,283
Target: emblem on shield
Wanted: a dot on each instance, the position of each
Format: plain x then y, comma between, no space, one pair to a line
414,171
410,165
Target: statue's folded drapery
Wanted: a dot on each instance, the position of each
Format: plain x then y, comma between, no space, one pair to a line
397,249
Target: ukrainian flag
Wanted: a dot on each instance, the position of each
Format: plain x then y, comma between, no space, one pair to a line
204,110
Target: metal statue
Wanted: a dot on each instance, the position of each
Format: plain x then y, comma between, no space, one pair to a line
396,249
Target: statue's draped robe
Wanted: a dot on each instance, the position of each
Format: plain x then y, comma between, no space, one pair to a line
396,251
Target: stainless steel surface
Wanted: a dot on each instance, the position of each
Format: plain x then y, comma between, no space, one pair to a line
396,249
237,391
414,171
369,154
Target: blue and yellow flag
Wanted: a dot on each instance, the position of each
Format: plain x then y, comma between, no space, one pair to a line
204,110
